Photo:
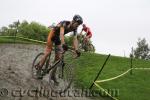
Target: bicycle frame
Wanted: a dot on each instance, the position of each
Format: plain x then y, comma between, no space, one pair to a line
61,60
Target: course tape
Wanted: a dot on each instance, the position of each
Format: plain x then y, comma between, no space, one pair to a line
24,39
105,91
105,80
100,81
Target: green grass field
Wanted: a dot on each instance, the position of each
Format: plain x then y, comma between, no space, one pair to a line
11,40
17,40
131,87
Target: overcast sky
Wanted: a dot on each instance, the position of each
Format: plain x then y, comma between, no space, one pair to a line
116,24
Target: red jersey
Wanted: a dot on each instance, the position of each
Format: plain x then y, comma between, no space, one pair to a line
88,31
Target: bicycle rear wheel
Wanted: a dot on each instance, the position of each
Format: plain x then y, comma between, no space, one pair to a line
85,46
35,64
45,66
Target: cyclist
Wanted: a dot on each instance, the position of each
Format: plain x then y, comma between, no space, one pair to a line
56,36
88,33
52,26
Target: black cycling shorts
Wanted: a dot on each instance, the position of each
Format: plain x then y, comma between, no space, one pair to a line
56,40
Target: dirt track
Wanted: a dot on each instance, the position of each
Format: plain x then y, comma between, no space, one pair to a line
15,74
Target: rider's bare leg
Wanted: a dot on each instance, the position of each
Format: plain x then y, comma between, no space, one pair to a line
48,49
46,54
87,39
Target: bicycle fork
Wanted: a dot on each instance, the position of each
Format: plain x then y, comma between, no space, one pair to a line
61,73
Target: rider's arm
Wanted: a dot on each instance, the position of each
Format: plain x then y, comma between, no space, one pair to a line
87,30
62,35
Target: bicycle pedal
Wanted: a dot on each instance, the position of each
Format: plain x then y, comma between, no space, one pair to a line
39,75
36,67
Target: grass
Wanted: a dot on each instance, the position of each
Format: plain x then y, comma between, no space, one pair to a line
131,87
11,40
18,40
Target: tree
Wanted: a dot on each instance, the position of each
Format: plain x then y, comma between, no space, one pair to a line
31,30
142,51
4,30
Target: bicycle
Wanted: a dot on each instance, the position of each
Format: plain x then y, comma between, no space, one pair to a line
85,46
64,69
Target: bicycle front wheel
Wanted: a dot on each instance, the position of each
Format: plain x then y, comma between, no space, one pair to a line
63,77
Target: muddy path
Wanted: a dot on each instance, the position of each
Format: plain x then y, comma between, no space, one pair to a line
16,82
